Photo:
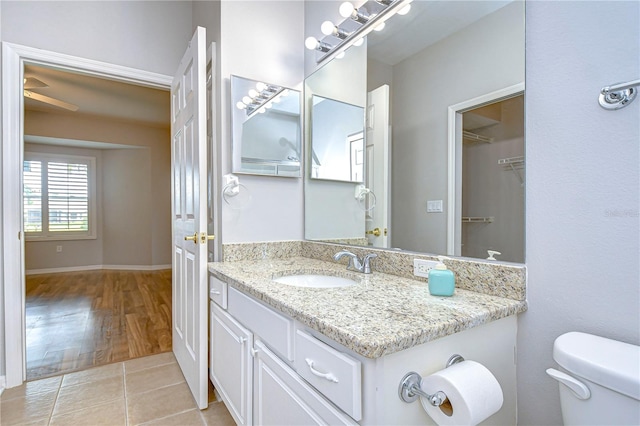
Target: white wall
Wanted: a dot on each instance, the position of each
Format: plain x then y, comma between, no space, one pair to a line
482,58
268,49
148,35
135,212
2,344
583,186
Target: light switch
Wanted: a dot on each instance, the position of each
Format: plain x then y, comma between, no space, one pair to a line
434,206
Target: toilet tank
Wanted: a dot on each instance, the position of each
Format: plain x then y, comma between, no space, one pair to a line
611,371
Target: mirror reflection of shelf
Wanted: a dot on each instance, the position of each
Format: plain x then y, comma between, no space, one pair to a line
470,136
468,219
513,161
514,164
271,167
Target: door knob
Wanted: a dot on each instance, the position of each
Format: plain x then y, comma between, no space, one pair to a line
375,232
193,238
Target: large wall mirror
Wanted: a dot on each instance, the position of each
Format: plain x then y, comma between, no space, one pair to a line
266,128
442,89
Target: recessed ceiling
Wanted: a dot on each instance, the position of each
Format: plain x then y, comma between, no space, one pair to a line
99,97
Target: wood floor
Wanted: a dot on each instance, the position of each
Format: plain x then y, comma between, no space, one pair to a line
78,320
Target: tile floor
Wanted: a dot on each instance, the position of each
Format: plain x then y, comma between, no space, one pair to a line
142,391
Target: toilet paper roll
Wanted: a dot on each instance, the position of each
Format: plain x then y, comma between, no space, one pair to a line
473,394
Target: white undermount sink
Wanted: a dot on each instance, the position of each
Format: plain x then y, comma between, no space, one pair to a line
315,281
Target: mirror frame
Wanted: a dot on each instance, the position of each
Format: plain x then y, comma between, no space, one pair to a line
237,130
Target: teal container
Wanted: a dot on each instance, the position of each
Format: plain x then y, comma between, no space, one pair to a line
441,281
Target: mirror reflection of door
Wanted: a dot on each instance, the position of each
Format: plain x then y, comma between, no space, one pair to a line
378,165
493,181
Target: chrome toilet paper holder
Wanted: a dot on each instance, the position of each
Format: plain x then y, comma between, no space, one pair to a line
409,389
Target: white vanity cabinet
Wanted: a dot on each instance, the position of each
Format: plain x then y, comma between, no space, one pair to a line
252,368
272,369
282,397
231,366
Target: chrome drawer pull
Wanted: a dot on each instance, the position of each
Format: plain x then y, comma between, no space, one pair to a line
328,376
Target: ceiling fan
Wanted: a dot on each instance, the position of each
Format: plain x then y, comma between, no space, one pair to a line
33,83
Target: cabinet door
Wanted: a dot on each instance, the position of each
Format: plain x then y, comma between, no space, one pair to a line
281,397
232,364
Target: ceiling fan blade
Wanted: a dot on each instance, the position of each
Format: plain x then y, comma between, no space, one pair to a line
33,83
51,101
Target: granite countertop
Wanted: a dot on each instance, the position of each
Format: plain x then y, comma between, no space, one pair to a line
380,315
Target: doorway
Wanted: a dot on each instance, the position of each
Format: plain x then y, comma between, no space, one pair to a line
15,58
96,203
484,115
493,181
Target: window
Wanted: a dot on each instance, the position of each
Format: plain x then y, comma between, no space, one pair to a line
59,196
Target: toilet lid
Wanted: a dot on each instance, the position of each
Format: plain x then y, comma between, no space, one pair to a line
609,363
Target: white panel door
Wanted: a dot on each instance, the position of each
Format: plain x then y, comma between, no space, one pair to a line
378,164
189,216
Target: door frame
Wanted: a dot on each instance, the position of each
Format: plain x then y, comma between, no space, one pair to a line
454,137
14,58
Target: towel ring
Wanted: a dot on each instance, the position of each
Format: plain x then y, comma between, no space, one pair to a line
236,195
361,196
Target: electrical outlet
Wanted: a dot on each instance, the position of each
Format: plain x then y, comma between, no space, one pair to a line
422,267
58,249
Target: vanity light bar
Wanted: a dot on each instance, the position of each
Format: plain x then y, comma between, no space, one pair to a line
258,100
369,22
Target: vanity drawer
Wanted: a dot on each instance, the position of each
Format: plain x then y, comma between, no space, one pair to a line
275,329
335,374
218,291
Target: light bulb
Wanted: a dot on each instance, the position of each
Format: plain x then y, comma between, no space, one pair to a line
262,110
311,43
285,93
379,27
277,99
241,105
340,55
260,86
346,9
328,28
359,42
247,100
253,93
405,10
268,105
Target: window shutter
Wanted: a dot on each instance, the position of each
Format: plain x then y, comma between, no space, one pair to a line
68,188
32,196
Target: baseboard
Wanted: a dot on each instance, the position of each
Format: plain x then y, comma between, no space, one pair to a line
97,267
137,267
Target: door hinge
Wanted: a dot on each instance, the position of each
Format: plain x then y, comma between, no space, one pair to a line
19,235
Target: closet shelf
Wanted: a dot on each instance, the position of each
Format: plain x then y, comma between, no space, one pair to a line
475,137
466,219
512,161
514,164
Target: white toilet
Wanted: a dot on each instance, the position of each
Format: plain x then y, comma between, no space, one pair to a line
601,385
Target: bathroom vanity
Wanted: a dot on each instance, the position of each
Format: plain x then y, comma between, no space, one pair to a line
283,354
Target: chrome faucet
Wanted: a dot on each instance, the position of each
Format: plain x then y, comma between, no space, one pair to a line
355,263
